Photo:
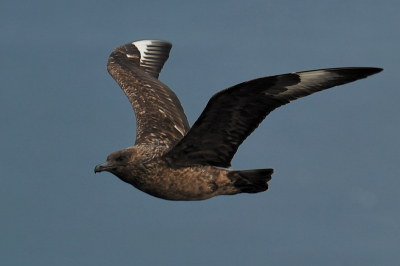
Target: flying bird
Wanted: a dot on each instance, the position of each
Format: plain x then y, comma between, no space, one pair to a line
173,161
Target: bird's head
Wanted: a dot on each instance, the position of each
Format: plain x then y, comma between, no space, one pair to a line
117,162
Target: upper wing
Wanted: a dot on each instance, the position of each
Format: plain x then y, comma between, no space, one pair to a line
234,113
160,117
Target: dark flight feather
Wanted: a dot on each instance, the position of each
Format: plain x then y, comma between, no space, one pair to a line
233,114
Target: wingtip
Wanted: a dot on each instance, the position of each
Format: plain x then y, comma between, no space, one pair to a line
153,54
375,70
361,72
143,44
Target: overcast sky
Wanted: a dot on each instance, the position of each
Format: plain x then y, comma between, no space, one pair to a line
334,197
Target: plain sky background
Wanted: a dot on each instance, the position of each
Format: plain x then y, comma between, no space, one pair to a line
334,197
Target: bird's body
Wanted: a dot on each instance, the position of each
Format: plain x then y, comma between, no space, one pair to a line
172,161
155,177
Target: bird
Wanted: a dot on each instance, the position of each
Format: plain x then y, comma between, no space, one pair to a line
173,161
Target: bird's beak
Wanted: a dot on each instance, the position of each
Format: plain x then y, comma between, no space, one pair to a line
102,167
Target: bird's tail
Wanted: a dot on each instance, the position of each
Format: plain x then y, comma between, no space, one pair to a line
251,181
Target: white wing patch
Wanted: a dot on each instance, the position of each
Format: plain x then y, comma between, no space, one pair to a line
142,47
312,78
152,54
308,80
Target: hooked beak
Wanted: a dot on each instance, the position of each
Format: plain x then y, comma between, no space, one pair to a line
103,167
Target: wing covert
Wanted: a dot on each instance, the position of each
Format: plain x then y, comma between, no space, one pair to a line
160,117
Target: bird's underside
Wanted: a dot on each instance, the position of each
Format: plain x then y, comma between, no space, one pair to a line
172,161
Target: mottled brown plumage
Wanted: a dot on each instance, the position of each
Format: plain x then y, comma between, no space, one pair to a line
172,161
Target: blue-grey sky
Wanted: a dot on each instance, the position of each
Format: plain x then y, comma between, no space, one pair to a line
334,197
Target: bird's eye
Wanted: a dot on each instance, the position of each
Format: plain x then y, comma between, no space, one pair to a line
120,158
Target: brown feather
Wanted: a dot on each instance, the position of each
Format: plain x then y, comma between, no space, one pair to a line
160,118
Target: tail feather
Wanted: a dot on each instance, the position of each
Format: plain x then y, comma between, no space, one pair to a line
251,181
